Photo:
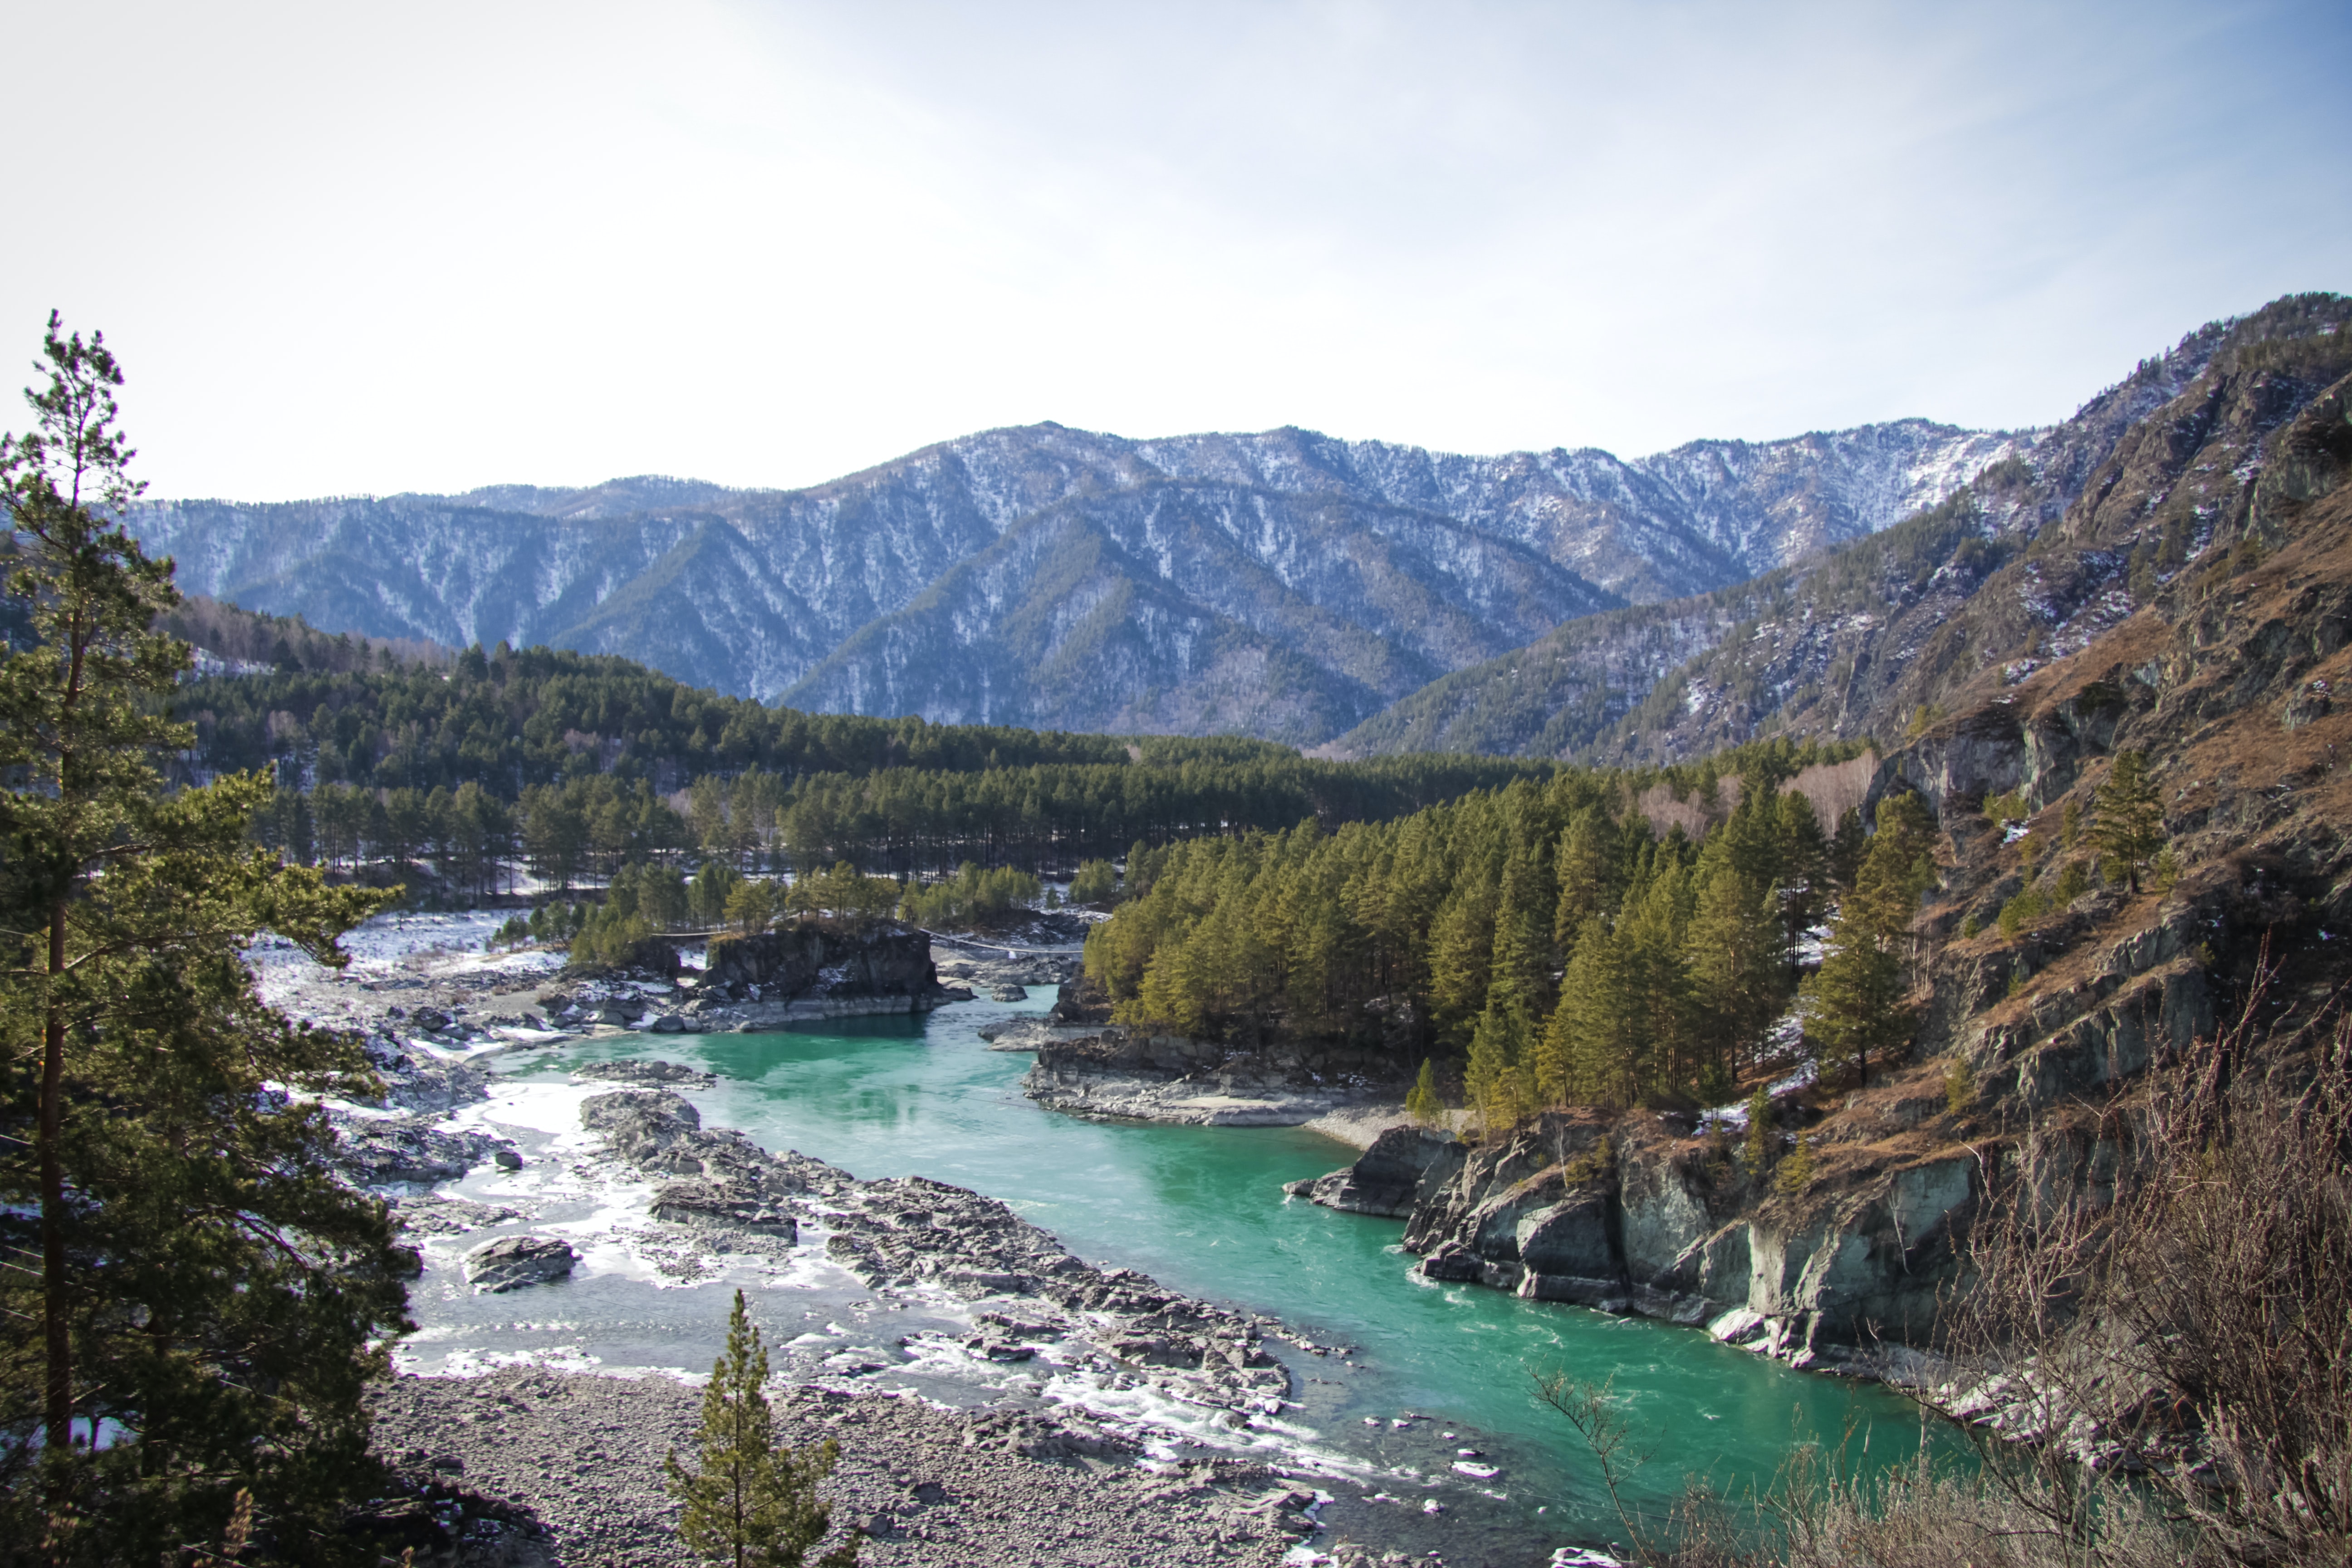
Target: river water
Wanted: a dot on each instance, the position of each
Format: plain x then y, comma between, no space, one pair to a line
1202,1211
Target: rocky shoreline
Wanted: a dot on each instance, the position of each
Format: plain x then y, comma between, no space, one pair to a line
525,1468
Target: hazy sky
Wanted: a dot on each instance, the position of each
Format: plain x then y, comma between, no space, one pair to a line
421,247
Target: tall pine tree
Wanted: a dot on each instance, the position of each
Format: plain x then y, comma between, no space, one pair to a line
207,1295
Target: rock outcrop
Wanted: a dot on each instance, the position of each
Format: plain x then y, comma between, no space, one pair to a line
1633,1215
1123,1074
1404,1166
806,972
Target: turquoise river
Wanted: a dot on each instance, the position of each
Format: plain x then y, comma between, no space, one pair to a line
1203,1210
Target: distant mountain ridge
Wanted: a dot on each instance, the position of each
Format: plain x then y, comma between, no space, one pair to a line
1287,585
2031,562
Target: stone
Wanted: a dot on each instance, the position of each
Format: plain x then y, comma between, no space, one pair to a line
432,1020
508,1160
1008,992
512,1262
667,1023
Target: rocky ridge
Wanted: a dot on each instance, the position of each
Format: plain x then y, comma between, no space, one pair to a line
2036,557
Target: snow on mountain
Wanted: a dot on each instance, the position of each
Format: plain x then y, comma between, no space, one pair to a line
1334,574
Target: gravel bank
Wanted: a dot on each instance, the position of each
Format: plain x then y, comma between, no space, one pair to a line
578,1461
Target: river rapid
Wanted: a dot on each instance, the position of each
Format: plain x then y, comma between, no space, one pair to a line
1202,1211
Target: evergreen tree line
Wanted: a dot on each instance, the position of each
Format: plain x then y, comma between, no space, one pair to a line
1544,934
909,822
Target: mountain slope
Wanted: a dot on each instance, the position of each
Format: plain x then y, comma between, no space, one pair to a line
2032,559
752,592
1199,606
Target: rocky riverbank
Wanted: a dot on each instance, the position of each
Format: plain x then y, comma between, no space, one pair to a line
525,1468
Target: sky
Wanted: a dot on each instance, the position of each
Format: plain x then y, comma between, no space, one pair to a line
368,249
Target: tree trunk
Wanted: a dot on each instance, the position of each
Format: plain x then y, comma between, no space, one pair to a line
57,1415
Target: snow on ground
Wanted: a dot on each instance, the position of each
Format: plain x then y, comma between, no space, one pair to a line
451,945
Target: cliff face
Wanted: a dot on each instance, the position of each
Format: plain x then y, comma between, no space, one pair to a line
1628,1215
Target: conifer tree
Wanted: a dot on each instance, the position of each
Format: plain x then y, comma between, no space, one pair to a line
1860,1006
1420,1101
207,1291
1461,953
2127,819
1760,1145
1587,870
1594,1044
1735,962
752,1503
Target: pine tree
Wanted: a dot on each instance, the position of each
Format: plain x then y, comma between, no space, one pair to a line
1860,1006
1761,1145
1500,1076
2128,823
752,1503
1594,1045
1420,1101
1586,870
1734,963
1796,1172
204,1287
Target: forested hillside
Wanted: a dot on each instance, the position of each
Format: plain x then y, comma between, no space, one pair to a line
586,764
1672,900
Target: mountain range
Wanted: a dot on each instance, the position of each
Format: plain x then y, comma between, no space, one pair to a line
1285,584
2033,559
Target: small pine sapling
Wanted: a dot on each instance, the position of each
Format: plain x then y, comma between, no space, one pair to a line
1959,1088
1420,1101
1796,1172
1760,1147
753,1504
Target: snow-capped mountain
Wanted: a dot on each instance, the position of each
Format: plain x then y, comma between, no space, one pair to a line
1286,584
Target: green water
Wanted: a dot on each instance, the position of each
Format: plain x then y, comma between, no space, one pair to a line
1202,1211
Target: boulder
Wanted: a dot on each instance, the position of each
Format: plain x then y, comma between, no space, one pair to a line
511,1262
667,1023
1008,992
719,1206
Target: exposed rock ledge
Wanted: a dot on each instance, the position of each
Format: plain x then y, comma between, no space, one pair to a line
1118,1074
807,973
1645,1225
